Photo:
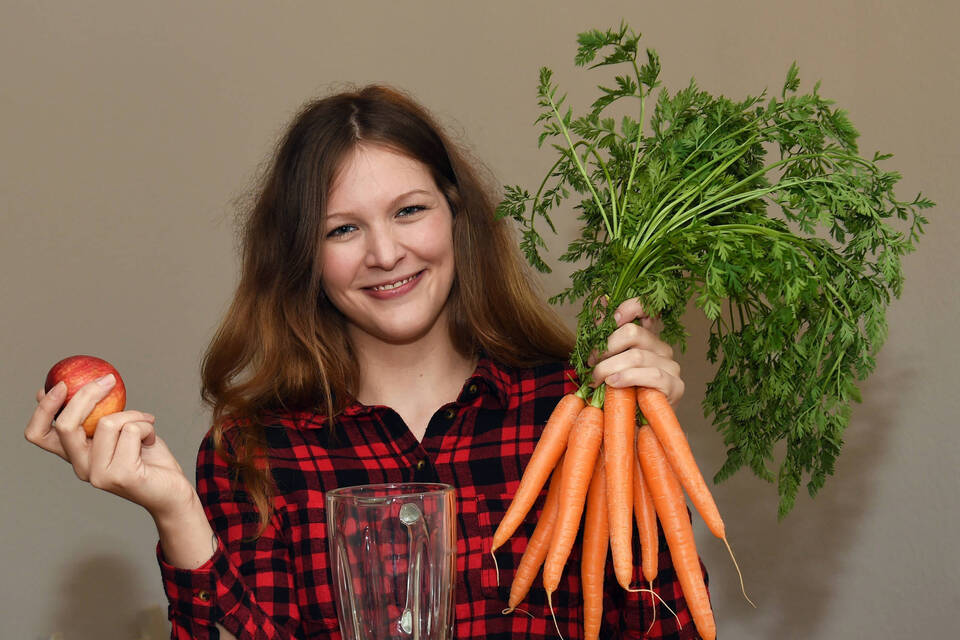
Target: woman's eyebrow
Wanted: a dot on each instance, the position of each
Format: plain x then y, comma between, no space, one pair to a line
408,194
393,203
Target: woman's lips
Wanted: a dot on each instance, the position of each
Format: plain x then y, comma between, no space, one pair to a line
386,294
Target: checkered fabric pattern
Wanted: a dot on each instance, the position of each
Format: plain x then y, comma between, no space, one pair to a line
278,585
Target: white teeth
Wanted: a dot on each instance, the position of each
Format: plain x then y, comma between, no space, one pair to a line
394,285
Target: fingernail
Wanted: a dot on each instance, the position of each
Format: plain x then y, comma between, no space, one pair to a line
106,381
614,379
616,316
60,386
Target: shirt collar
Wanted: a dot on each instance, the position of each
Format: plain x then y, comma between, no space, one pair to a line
497,378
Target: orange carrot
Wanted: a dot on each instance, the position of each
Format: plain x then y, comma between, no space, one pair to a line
663,420
646,523
549,448
578,463
665,425
619,419
671,508
593,559
537,546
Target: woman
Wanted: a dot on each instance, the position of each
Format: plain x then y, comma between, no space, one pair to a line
376,288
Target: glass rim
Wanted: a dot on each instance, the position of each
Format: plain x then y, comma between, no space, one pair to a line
356,492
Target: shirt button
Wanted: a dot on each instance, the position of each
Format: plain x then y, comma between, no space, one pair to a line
421,464
449,414
472,388
204,595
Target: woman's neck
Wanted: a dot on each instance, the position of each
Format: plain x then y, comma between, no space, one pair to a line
424,374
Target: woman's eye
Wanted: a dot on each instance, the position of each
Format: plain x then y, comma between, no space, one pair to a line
408,211
346,229
340,231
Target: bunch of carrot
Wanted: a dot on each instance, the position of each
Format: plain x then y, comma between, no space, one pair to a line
603,461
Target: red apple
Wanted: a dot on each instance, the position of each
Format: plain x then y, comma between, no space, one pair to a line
77,371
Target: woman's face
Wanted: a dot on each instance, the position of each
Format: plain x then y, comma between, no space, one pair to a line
387,246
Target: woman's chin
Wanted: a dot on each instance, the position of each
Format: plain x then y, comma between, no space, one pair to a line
400,334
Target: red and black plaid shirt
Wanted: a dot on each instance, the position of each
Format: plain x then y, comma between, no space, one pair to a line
278,584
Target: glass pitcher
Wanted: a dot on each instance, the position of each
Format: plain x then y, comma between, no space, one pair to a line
393,554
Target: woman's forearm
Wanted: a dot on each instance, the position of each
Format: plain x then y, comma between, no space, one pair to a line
186,538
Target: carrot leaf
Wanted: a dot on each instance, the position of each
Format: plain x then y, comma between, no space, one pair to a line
762,211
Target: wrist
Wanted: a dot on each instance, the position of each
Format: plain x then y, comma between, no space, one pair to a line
176,511
180,503
186,537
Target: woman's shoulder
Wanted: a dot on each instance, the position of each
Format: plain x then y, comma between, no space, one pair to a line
546,378
548,370
232,430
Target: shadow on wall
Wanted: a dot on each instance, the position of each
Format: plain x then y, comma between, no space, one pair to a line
100,599
834,519
787,565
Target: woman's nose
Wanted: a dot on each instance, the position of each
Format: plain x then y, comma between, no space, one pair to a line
384,250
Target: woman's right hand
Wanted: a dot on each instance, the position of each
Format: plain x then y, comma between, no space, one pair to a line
125,456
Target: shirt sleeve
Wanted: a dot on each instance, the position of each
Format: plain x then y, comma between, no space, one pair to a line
247,586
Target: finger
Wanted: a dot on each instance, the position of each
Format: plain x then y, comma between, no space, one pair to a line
104,443
69,423
652,324
633,359
39,429
133,437
85,399
652,377
629,336
40,395
633,336
630,310
115,473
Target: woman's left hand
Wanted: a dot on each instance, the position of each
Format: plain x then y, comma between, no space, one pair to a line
636,356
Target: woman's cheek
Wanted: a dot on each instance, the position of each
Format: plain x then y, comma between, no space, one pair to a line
337,267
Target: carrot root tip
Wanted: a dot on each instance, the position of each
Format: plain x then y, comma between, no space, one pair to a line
737,567
495,565
653,607
510,610
553,614
663,602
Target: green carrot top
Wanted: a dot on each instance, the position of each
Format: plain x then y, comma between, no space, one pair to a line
762,211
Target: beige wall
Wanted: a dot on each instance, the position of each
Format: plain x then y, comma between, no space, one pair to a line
128,130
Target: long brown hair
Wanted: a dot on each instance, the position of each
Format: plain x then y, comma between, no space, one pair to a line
283,346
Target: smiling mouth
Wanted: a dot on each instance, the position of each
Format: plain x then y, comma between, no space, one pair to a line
395,285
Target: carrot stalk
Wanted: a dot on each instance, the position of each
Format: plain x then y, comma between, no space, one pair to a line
671,508
593,559
619,420
663,420
549,448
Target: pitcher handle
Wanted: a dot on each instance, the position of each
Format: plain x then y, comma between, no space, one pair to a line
412,518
